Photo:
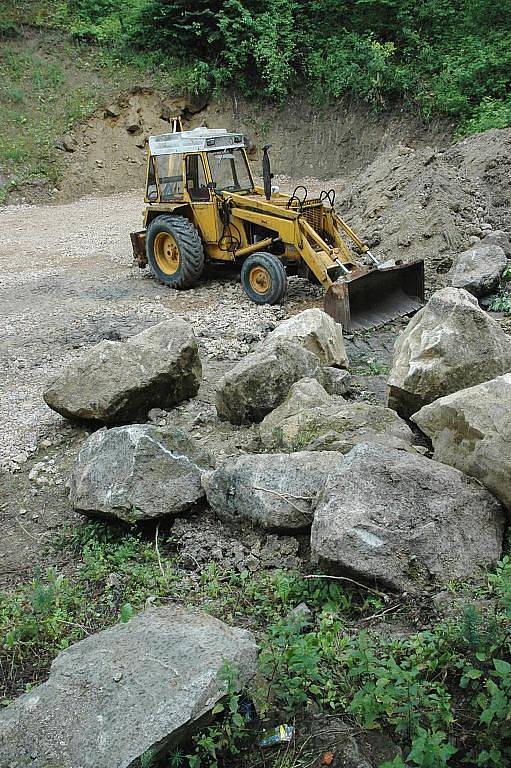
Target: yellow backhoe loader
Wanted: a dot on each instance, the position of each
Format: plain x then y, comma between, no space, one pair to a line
203,205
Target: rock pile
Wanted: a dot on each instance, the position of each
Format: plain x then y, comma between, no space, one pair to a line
116,383
350,469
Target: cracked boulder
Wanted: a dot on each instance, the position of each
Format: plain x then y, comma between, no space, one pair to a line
135,689
404,521
138,472
275,491
261,380
479,269
448,345
471,430
316,331
119,382
311,419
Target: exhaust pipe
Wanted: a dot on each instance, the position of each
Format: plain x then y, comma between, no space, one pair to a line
267,174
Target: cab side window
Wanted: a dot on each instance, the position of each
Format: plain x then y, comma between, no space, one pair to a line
170,175
152,189
196,183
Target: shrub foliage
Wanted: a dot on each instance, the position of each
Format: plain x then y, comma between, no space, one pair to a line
441,57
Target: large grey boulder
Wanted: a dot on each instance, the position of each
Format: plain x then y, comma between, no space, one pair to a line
449,345
119,382
404,521
275,491
471,430
138,472
316,331
261,380
145,685
310,419
479,269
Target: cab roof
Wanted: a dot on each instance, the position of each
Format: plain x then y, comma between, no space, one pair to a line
198,140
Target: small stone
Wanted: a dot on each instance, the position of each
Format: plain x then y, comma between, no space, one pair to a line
156,414
113,110
303,612
70,144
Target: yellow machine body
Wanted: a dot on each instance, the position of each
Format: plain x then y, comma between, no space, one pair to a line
239,219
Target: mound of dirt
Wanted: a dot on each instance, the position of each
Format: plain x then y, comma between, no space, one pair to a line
424,203
108,151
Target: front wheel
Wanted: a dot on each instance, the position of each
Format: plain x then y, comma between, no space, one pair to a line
174,251
264,278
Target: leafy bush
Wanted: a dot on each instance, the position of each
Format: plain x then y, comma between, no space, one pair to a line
440,57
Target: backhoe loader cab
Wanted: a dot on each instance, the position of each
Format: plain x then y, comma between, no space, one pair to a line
202,205
188,166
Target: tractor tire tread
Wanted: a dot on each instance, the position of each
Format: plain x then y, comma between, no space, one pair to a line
277,272
191,252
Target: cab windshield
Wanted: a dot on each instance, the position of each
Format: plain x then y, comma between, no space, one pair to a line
229,170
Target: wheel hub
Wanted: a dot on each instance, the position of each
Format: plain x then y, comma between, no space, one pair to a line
166,253
260,280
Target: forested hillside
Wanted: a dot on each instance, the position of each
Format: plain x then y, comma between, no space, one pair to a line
437,57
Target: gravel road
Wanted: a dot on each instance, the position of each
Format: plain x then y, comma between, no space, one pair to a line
67,281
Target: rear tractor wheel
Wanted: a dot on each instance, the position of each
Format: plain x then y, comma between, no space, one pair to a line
174,251
264,278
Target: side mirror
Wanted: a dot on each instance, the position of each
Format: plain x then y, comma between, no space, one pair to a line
152,196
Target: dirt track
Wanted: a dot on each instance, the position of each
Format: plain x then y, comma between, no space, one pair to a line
66,282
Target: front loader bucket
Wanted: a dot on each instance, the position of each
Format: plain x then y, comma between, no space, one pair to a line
366,299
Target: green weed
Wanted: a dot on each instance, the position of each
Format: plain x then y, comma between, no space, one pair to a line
434,690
